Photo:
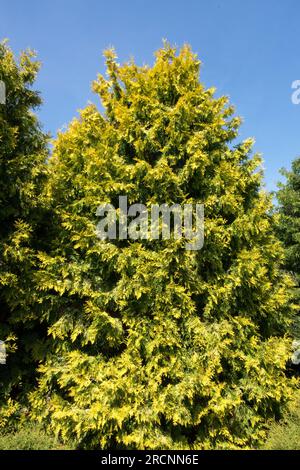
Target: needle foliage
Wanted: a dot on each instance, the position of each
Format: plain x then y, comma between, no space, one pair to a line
288,197
154,346
23,153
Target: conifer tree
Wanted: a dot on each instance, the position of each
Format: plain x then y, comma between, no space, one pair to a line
289,225
23,152
155,346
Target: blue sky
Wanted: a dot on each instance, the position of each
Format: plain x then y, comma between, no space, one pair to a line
249,50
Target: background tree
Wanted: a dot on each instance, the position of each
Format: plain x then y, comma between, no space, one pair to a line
23,152
288,197
155,346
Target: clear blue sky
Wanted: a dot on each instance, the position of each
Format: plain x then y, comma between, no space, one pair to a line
250,50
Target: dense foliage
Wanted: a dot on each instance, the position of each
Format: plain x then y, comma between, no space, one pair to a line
288,197
285,435
137,343
30,437
23,152
154,346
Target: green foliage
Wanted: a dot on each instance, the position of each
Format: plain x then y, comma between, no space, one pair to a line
18,432
10,413
30,437
289,226
23,152
154,346
285,435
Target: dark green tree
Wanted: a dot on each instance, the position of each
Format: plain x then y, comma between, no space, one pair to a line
288,197
23,154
